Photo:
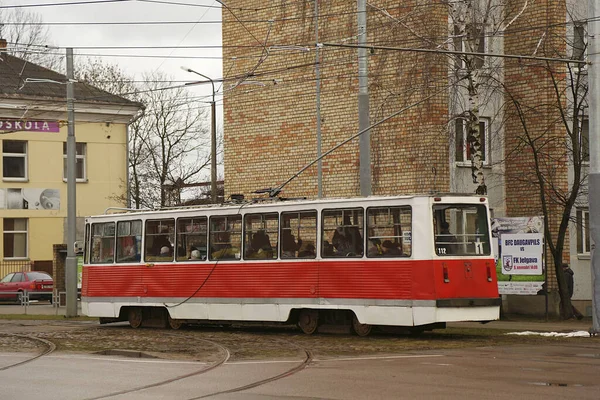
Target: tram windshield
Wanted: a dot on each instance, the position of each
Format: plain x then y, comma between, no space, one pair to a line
461,230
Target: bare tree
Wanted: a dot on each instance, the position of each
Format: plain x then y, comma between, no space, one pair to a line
28,39
169,144
472,23
175,136
556,145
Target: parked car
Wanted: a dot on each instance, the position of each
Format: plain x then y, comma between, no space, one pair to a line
38,285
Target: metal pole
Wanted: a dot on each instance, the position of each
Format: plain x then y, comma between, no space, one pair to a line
363,101
594,143
318,84
213,137
71,262
213,147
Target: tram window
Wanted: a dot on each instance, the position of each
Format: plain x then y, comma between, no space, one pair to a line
159,238
342,233
261,233
103,243
225,237
298,234
461,230
129,240
192,238
390,232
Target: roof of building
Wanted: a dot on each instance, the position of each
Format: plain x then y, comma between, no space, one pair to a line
15,73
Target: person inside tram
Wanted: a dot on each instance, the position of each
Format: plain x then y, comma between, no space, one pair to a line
341,243
445,240
376,250
260,246
289,247
195,254
165,252
222,249
161,241
328,250
354,236
307,250
390,249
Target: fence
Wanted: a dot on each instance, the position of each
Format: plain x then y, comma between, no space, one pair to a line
6,267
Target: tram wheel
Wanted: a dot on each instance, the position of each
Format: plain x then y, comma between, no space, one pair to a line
308,320
360,329
135,317
174,323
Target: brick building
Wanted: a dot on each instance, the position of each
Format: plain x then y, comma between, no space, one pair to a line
270,104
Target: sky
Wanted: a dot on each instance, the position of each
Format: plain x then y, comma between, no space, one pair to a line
195,32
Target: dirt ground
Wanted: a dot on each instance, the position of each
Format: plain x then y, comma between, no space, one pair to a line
243,343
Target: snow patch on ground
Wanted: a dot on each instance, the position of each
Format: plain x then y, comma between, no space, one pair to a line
552,334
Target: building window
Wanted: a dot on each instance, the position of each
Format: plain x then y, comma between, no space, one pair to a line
14,159
460,44
15,238
583,231
463,150
80,167
584,139
579,41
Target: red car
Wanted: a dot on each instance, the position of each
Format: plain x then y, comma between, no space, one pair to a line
37,284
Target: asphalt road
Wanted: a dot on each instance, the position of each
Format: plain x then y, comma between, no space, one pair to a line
567,369
515,372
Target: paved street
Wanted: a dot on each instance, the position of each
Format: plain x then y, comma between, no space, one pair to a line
565,369
543,372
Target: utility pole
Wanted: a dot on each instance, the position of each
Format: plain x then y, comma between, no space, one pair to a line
213,136
363,101
594,143
71,262
318,84
213,147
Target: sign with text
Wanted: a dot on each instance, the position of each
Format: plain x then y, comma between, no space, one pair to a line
511,280
29,126
522,253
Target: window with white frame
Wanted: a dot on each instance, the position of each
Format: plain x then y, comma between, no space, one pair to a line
15,237
463,150
583,231
579,41
14,160
460,43
80,164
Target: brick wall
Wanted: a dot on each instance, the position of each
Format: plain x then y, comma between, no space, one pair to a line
532,85
270,130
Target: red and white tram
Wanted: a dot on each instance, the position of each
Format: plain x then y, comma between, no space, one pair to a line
405,261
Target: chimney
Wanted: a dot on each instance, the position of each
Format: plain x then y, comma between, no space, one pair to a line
2,43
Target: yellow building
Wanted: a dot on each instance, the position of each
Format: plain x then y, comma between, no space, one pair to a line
33,133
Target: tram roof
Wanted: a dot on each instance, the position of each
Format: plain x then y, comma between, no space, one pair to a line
271,202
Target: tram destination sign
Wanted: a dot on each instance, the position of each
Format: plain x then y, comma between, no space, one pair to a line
29,126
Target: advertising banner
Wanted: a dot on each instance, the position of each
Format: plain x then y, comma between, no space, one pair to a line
30,199
519,250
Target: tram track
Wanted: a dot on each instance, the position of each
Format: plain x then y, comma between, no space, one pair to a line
308,357
49,348
218,363
292,371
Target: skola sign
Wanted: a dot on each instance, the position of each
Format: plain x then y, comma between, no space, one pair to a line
29,126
